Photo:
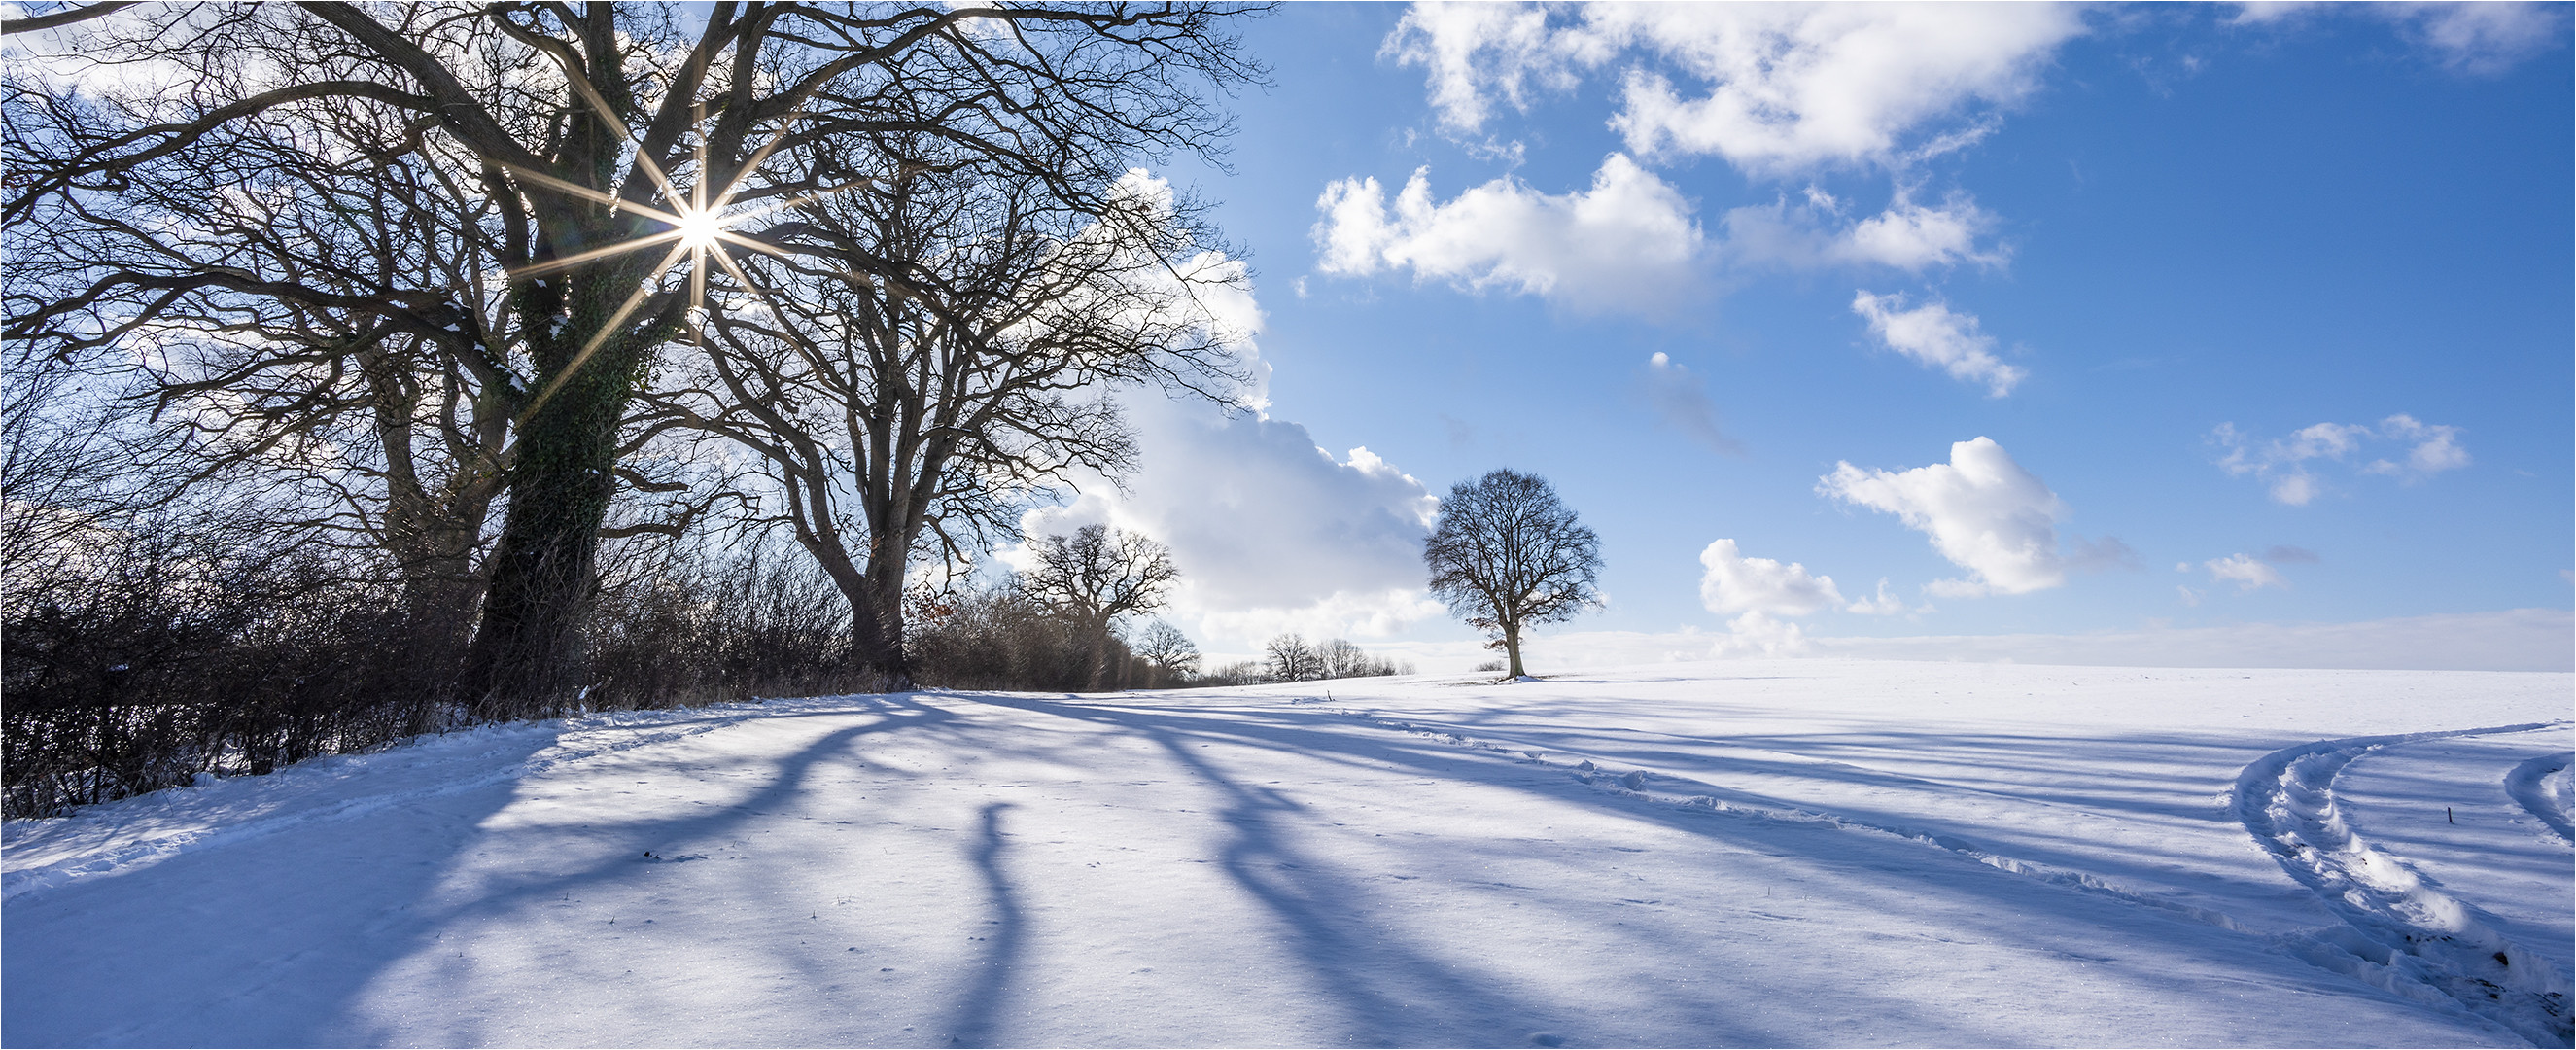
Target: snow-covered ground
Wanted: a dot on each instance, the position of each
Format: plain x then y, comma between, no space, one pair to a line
1776,853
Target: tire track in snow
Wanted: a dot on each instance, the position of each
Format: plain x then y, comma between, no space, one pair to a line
2529,784
1635,782
2398,933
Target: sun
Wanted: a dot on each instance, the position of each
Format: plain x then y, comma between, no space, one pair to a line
699,230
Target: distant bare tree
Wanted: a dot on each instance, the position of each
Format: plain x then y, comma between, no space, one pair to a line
1339,658
1507,554
1097,575
1172,655
1288,658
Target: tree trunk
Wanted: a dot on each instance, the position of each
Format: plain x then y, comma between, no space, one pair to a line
1512,648
876,634
1099,633
876,611
528,658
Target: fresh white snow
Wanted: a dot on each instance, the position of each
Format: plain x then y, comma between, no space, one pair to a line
1803,852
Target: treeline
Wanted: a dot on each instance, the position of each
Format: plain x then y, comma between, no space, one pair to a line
430,364
1290,658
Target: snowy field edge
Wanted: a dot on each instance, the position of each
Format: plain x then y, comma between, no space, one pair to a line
1652,855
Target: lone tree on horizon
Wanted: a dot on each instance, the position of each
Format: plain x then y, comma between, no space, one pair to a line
1507,553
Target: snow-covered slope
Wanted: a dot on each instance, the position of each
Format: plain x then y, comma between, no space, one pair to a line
1789,853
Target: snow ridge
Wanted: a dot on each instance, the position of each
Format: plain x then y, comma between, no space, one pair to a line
1634,784
2541,786
577,740
2399,934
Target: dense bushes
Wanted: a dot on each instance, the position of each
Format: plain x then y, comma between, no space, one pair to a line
1002,638
159,655
165,658
156,652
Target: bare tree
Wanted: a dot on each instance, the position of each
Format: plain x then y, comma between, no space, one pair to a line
1288,658
1338,658
1507,554
1170,653
615,143
946,356
1096,576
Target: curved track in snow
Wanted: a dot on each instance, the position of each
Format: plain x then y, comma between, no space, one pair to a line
2399,933
2531,787
1686,792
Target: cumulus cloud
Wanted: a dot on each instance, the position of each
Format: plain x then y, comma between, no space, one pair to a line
1816,233
1627,242
1883,603
1772,89
1759,633
1475,50
1680,396
2288,465
1270,532
1733,583
1937,337
2248,573
1981,510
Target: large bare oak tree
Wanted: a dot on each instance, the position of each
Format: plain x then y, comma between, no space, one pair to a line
611,144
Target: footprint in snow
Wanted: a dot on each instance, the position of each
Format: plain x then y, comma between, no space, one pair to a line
651,858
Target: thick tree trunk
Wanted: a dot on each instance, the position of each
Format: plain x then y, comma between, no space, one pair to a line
876,611
876,636
1512,648
529,657
1099,656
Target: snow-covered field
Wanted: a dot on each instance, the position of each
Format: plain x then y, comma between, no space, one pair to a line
1779,853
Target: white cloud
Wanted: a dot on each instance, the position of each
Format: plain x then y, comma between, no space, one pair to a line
1937,337
2285,464
1471,49
2437,448
1758,633
2247,572
1270,532
1733,583
2476,38
1907,236
1628,242
1773,89
1982,511
1882,604
2483,38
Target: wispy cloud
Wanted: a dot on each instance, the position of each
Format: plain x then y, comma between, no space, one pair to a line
1938,337
1817,232
2480,39
2288,465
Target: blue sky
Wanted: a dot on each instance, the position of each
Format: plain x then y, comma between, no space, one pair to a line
2264,314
